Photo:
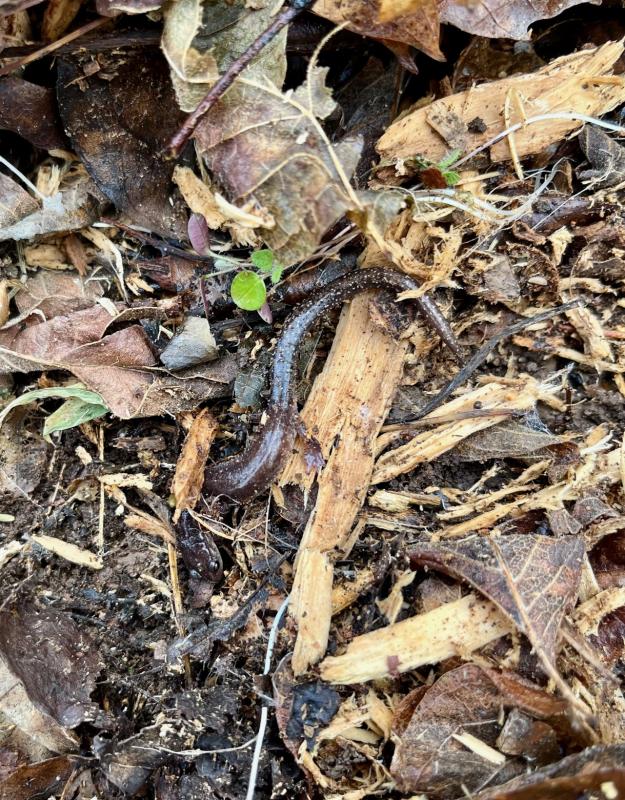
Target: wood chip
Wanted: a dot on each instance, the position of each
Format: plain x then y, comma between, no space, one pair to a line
345,410
565,85
70,552
458,627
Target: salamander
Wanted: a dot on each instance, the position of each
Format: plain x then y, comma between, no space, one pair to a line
244,476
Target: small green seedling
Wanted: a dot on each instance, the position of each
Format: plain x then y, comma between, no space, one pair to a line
248,288
450,176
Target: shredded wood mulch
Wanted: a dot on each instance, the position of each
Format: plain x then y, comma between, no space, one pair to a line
269,527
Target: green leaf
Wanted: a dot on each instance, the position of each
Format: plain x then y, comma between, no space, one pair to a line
78,391
451,177
276,272
248,290
262,259
448,160
72,413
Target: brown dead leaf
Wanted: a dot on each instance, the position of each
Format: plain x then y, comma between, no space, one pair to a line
599,770
417,23
15,202
505,20
41,779
533,579
606,157
432,755
112,364
48,668
202,38
30,111
565,85
118,127
52,294
268,146
71,208
189,475
23,458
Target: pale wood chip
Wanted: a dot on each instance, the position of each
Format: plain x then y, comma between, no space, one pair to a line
189,474
458,627
345,411
519,395
568,84
588,616
70,552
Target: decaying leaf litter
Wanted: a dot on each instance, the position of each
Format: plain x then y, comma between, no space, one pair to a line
428,601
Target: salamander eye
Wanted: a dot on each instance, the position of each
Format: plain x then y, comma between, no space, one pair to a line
214,565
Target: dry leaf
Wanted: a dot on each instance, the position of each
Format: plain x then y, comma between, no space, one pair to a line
52,294
606,156
41,779
533,579
267,146
23,458
15,202
30,110
113,365
202,38
189,475
507,20
193,344
70,209
118,128
431,756
48,668
417,25
565,85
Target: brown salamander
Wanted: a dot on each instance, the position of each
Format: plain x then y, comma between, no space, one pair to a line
245,475
201,557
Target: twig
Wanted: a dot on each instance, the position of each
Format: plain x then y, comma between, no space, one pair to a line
478,358
180,138
22,177
7,69
251,786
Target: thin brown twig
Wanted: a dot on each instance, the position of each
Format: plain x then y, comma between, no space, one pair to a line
7,69
181,137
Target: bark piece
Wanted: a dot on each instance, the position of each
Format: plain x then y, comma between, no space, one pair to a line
565,85
458,627
344,411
